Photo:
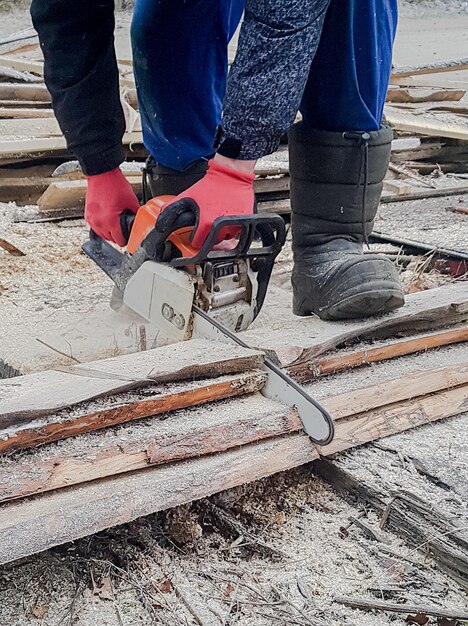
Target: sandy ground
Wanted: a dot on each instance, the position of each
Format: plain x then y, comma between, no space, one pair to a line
149,571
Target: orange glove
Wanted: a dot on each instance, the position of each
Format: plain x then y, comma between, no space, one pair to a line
222,191
107,197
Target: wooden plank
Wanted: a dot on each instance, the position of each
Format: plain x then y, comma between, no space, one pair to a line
35,524
34,145
423,194
85,419
430,68
399,187
284,206
459,109
22,65
391,350
27,189
367,604
398,390
25,104
189,434
29,129
12,91
301,340
63,195
37,395
10,248
200,432
24,113
397,417
71,193
401,94
427,123
433,82
12,74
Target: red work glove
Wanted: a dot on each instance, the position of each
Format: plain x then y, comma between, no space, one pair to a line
222,191
107,197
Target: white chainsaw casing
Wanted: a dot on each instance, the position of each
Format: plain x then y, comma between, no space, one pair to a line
164,297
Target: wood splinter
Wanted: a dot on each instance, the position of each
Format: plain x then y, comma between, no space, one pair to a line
12,249
405,609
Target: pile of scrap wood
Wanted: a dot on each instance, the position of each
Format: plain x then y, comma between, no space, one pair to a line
428,113
93,445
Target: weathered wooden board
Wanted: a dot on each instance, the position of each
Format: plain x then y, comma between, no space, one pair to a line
300,340
430,68
400,94
71,193
39,143
99,334
67,194
37,523
427,123
439,452
22,190
154,441
427,222
24,113
13,91
36,395
411,386
397,417
365,356
122,408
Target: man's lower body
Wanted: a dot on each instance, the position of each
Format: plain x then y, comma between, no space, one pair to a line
338,154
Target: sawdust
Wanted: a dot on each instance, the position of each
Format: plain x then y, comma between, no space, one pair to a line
294,512
52,285
431,222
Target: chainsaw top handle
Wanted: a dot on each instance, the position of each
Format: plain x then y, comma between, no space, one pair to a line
259,236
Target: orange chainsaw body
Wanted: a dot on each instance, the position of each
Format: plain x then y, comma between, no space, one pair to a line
145,221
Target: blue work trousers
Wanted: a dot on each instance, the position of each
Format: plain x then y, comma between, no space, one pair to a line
334,68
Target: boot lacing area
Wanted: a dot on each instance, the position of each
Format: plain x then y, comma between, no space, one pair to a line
362,140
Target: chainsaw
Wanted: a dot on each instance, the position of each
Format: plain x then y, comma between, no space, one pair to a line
213,292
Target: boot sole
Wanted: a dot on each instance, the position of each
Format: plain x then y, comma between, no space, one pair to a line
378,299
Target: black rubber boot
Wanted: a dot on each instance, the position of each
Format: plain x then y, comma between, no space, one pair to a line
336,184
162,181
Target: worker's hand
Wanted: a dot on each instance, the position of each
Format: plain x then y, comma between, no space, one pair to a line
222,191
107,197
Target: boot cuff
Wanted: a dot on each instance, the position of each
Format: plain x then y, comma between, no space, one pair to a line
338,158
300,133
